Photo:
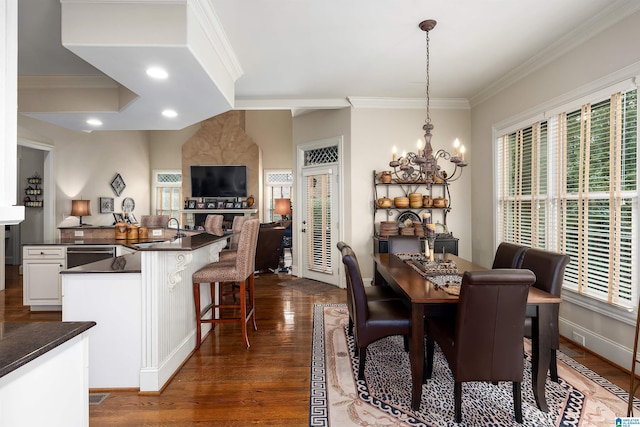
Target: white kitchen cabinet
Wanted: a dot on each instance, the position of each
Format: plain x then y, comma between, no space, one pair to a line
41,279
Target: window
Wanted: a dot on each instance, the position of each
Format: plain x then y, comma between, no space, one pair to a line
278,185
167,192
569,183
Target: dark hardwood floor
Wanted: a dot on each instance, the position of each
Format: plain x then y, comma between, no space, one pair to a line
224,384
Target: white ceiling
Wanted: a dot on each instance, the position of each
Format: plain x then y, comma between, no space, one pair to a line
310,54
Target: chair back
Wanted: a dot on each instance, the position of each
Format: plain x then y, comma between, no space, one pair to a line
508,255
490,325
236,227
356,296
404,244
247,243
213,224
548,267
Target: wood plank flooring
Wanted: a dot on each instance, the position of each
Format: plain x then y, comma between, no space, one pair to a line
225,384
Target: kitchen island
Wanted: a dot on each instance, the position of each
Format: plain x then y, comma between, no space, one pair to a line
144,309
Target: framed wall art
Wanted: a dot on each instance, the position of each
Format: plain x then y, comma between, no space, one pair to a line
118,185
106,204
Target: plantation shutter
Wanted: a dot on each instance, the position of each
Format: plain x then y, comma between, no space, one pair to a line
319,222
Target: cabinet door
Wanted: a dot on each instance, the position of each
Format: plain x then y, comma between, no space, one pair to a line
42,281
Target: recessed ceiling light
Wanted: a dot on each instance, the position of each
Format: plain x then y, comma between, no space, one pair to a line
169,113
94,122
157,73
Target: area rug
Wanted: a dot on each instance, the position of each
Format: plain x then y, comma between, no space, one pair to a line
308,286
383,398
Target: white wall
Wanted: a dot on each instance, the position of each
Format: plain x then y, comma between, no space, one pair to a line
613,52
30,162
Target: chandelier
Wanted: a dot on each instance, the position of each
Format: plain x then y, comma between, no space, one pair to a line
422,167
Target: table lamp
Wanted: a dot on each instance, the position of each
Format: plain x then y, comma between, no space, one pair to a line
283,208
81,208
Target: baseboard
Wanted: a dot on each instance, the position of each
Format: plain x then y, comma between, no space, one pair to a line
598,344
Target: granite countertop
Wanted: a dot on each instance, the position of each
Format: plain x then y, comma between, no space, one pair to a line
23,342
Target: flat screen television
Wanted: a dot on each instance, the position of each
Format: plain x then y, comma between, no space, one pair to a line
219,181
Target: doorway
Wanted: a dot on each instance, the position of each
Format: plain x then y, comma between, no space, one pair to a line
319,165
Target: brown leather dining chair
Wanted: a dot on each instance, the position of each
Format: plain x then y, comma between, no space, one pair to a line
485,340
237,272
404,244
549,270
373,293
373,320
508,255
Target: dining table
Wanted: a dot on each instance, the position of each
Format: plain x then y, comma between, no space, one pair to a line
427,298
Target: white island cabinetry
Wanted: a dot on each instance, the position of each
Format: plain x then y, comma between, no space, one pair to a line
41,267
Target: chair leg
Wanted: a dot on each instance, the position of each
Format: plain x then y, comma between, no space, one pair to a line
252,300
243,312
428,361
457,397
196,299
363,358
553,366
517,401
405,338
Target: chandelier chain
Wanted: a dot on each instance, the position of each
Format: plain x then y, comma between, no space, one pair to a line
426,90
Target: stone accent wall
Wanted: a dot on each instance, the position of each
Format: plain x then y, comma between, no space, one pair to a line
221,140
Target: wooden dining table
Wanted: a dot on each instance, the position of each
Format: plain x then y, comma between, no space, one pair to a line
428,299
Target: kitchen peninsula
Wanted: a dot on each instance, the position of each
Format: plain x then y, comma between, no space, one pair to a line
143,305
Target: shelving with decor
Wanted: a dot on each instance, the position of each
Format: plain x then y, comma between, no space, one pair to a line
401,208
33,192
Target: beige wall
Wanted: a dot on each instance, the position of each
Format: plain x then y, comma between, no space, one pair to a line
613,53
272,131
86,163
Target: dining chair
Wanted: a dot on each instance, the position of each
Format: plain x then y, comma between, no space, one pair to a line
238,272
549,270
373,320
373,293
508,255
404,244
229,253
485,339
213,224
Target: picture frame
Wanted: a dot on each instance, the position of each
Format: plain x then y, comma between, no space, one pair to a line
192,204
106,204
131,218
117,216
200,205
237,205
118,185
229,205
220,205
211,205
245,204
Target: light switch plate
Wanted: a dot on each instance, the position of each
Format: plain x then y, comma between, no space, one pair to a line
78,233
156,232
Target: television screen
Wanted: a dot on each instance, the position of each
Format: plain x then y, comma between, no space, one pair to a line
219,181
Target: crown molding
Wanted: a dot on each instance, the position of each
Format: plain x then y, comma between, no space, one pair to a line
291,104
409,103
609,16
66,82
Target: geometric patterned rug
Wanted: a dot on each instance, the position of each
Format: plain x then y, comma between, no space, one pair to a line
383,398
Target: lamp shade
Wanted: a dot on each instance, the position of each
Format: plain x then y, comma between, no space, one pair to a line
283,206
80,207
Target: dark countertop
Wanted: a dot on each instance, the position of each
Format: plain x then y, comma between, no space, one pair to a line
187,243
130,263
23,342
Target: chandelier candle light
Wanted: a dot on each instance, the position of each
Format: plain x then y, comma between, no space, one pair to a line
423,167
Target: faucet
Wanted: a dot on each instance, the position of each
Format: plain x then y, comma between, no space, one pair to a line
178,232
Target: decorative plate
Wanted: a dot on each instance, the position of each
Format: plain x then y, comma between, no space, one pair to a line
407,215
128,205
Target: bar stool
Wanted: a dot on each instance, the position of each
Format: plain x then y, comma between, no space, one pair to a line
230,253
238,272
213,224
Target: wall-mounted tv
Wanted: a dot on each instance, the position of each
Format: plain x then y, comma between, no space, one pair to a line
219,181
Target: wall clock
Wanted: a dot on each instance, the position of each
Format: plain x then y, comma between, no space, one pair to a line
118,184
